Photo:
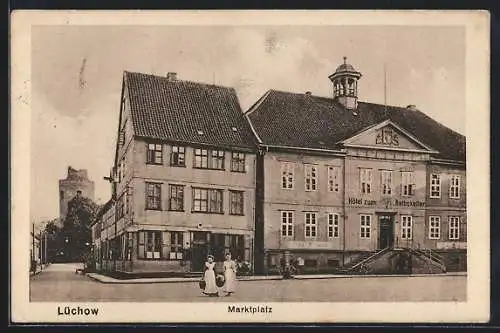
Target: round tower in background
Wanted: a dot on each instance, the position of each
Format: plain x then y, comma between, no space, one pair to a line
76,183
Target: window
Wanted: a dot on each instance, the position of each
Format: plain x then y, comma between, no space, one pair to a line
333,225
310,230
286,224
407,183
201,158
435,186
434,227
120,205
366,181
153,196
406,227
287,175
155,154
61,195
178,156
333,179
365,223
238,162
209,159
455,187
454,227
176,245
151,245
207,200
237,202
311,177
176,201
386,182
217,159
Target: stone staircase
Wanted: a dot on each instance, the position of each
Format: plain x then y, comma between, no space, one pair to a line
388,261
356,265
431,257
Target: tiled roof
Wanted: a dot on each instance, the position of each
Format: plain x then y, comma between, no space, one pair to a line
306,121
184,111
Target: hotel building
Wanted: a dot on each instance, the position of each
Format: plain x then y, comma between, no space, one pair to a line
340,180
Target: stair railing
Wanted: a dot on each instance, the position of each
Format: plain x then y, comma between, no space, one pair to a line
430,257
373,256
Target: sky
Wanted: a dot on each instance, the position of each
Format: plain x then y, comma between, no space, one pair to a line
77,73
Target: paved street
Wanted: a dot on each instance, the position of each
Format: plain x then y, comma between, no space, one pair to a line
60,283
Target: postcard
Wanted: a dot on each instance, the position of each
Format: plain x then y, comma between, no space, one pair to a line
250,166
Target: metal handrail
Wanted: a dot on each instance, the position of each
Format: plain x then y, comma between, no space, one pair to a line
429,256
362,262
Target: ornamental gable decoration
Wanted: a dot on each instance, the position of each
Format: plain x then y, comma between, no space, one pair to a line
386,135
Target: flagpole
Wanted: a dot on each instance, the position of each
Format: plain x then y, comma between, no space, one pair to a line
385,87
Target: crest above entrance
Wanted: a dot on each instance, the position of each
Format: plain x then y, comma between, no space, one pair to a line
387,135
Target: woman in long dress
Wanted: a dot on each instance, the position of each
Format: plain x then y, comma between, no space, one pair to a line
229,275
209,277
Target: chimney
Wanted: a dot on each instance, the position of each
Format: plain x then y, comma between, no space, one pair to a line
171,76
308,93
411,107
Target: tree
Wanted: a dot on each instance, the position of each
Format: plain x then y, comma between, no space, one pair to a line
76,230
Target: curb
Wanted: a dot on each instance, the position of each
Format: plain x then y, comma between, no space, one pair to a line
108,280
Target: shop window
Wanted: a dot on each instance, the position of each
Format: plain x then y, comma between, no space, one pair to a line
176,245
149,246
310,263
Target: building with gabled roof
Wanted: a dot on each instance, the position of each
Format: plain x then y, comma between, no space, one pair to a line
183,177
341,181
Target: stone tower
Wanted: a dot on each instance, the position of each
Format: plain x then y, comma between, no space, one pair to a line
76,183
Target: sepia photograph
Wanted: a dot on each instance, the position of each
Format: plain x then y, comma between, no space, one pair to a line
231,166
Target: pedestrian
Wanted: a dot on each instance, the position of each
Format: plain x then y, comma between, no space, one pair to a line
230,270
209,277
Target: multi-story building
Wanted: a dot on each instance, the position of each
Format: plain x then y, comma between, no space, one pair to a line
339,179
184,174
103,230
76,183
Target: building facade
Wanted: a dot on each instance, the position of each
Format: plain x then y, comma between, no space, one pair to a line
76,182
183,178
341,180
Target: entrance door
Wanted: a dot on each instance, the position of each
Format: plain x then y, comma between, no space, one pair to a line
199,249
386,231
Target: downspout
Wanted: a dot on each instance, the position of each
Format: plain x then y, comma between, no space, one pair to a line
344,182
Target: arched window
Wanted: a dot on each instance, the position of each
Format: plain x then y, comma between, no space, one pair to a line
351,90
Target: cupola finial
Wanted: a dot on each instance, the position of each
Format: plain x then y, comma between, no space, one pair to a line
345,60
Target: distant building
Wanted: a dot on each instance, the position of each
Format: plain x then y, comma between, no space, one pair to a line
340,179
76,182
184,178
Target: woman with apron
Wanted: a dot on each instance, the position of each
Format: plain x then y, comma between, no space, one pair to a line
229,275
209,277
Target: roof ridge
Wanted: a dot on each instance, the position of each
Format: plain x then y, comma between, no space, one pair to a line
157,76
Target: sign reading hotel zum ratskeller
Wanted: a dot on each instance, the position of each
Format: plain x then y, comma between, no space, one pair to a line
395,202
